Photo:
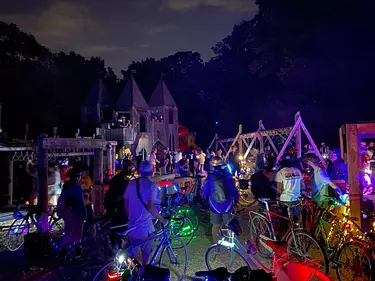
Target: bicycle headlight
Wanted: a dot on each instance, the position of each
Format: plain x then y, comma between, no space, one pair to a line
121,258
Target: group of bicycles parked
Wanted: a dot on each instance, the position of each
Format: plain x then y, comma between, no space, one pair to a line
324,239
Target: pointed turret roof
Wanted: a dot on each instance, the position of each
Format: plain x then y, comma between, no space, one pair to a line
98,95
131,96
161,95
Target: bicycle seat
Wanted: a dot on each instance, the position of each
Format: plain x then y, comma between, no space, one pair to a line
220,272
277,246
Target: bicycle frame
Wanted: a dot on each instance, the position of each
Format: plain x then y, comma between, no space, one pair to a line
268,218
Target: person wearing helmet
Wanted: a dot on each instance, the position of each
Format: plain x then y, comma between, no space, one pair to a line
140,197
220,188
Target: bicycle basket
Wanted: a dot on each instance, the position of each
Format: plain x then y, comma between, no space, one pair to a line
17,215
234,225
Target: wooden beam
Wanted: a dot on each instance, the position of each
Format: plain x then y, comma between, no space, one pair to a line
271,141
56,143
260,125
234,141
316,150
298,137
342,148
250,146
352,147
273,132
295,127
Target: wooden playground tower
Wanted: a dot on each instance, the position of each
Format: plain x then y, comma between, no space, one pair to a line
291,135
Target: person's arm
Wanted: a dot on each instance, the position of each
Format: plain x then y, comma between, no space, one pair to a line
279,182
326,180
151,205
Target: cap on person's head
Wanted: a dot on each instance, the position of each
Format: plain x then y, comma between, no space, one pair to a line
288,160
145,169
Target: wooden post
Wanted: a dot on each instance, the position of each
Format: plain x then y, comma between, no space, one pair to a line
352,146
298,136
291,134
10,184
42,166
98,195
240,144
250,145
260,125
342,148
109,161
216,142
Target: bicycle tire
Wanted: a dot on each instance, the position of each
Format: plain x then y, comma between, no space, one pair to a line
218,249
13,249
179,249
101,270
300,233
56,238
366,255
254,235
185,236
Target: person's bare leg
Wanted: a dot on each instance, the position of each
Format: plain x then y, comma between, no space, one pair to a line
215,232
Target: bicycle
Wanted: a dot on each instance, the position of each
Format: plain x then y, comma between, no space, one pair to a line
285,266
341,241
115,269
22,224
300,243
181,224
243,273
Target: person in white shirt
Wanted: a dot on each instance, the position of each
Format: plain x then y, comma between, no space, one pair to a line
289,180
153,159
177,158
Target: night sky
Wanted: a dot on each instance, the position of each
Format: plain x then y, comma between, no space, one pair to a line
122,31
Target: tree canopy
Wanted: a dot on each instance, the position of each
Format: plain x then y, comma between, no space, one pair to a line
312,56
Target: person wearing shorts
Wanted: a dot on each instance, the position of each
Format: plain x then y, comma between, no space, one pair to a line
139,198
221,189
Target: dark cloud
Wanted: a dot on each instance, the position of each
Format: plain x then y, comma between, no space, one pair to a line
123,31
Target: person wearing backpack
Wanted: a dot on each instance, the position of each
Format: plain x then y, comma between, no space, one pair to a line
140,197
222,192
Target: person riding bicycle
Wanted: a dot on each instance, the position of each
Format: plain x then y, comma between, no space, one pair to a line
140,197
221,189
323,187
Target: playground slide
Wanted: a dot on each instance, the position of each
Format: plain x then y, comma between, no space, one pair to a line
192,144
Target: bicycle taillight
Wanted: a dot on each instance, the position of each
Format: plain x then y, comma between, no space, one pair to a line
114,276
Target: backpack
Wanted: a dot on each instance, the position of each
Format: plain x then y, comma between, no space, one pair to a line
220,192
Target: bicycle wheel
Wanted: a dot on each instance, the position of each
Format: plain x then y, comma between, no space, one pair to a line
16,233
57,231
354,263
260,226
184,229
176,260
191,213
108,272
306,246
220,256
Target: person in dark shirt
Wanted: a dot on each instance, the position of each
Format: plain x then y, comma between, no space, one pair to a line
263,182
114,201
233,160
337,170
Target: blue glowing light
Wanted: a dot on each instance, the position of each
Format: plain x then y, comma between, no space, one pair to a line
229,168
217,122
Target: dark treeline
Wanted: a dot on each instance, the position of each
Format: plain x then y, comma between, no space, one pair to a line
313,56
